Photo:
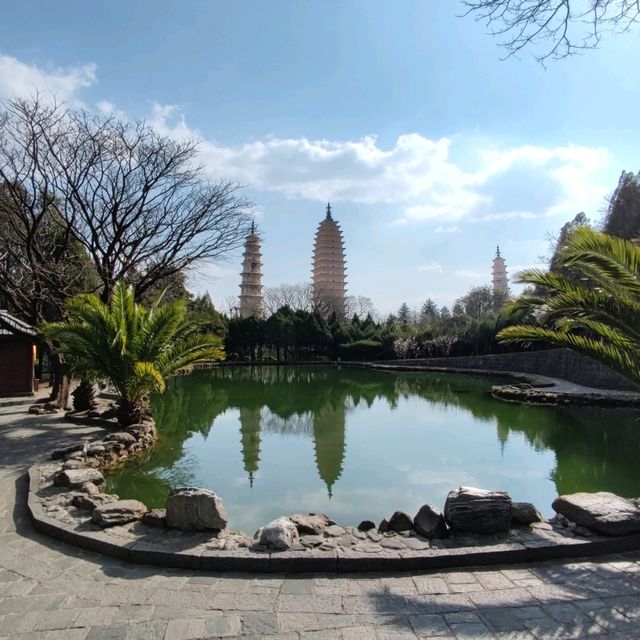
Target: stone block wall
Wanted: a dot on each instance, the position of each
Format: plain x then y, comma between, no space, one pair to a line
556,363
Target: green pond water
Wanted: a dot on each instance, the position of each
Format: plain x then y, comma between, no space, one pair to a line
359,444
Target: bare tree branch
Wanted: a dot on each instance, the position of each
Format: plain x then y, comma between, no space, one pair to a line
561,27
136,201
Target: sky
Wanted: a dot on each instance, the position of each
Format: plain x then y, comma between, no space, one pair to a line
431,147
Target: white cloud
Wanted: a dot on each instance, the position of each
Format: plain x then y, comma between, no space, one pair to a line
416,174
109,109
18,79
431,266
447,229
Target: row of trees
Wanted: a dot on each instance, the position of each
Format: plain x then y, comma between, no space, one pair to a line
88,201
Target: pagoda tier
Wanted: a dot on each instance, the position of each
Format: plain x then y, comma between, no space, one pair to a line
251,284
499,274
329,267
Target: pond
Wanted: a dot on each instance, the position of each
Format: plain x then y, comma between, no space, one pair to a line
359,444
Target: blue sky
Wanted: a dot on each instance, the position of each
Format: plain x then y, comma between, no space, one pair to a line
431,149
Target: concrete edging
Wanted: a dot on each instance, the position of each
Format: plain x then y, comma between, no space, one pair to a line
313,561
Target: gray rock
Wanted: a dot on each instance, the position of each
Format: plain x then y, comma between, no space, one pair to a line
474,510
95,449
400,521
312,524
602,512
74,464
525,513
383,526
366,525
312,540
58,454
279,534
88,487
119,512
76,477
92,501
429,522
155,518
193,509
374,536
334,531
122,437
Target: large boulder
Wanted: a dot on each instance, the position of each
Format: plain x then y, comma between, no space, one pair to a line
525,513
472,510
312,524
119,512
77,477
602,512
400,521
429,522
193,509
279,534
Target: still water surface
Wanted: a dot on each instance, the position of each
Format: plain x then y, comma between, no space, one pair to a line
359,444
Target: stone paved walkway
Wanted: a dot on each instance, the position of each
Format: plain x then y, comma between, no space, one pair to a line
53,591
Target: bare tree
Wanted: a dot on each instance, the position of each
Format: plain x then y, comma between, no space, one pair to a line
360,306
563,27
135,200
298,297
87,195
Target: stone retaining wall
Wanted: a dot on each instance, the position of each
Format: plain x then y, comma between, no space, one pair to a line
556,363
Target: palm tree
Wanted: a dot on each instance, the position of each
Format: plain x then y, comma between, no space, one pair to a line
132,347
594,309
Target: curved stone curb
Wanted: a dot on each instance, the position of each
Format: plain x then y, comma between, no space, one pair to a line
527,388
520,395
160,550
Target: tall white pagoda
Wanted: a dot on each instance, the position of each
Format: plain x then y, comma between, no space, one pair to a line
329,284
251,284
499,273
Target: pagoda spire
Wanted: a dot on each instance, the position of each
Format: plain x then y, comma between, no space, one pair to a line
499,274
251,283
329,268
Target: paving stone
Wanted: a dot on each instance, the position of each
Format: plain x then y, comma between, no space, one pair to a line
396,634
431,585
297,587
117,632
429,626
493,580
149,630
359,633
470,631
504,619
459,617
222,626
318,635
317,604
184,629
298,621
260,623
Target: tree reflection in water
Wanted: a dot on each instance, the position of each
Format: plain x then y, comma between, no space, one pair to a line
595,449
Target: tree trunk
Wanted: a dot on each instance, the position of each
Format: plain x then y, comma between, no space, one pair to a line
132,412
59,397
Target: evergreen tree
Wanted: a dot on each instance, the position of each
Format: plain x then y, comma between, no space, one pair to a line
622,218
404,315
